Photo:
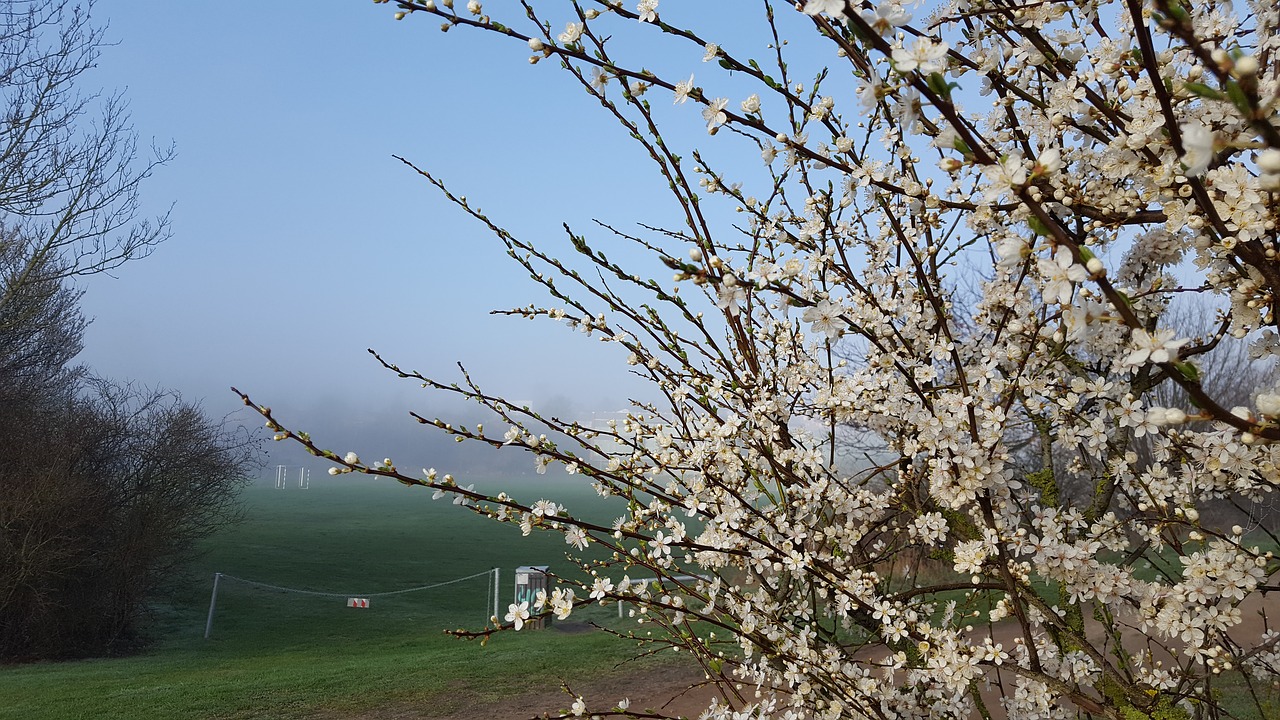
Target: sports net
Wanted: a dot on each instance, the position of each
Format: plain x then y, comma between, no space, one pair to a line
243,605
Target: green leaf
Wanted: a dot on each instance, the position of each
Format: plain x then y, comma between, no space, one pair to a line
1203,91
1038,227
1188,370
1124,298
859,33
1238,98
939,85
1177,11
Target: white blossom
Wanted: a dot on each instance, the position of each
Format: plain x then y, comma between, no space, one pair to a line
924,56
1059,275
518,613
825,318
831,8
1197,145
683,88
714,114
887,16
647,11
572,32
1157,347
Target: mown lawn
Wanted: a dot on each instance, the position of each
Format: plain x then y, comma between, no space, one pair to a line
286,655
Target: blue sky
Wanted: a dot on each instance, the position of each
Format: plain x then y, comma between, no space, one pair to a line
299,241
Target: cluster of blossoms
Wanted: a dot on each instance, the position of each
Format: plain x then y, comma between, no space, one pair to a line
931,438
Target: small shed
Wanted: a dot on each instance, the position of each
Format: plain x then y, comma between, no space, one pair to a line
529,580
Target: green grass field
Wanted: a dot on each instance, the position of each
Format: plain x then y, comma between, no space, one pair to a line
285,655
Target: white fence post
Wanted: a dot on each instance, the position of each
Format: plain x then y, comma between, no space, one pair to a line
213,603
497,574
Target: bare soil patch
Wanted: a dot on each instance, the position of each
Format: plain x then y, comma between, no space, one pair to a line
659,686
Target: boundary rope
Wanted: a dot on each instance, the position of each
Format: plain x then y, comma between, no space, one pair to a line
319,593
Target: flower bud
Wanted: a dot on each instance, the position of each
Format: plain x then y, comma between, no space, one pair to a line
1221,59
1246,66
1269,161
1095,267
1268,404
1049,161
535,44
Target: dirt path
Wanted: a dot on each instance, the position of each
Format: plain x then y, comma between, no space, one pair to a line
663,687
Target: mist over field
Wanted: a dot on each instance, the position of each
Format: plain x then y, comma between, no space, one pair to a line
388,430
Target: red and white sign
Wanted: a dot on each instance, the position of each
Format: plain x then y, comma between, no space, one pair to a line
358,602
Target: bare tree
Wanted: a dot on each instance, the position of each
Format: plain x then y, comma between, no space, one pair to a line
70,166
105,488
1227,368
105,491
40,324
